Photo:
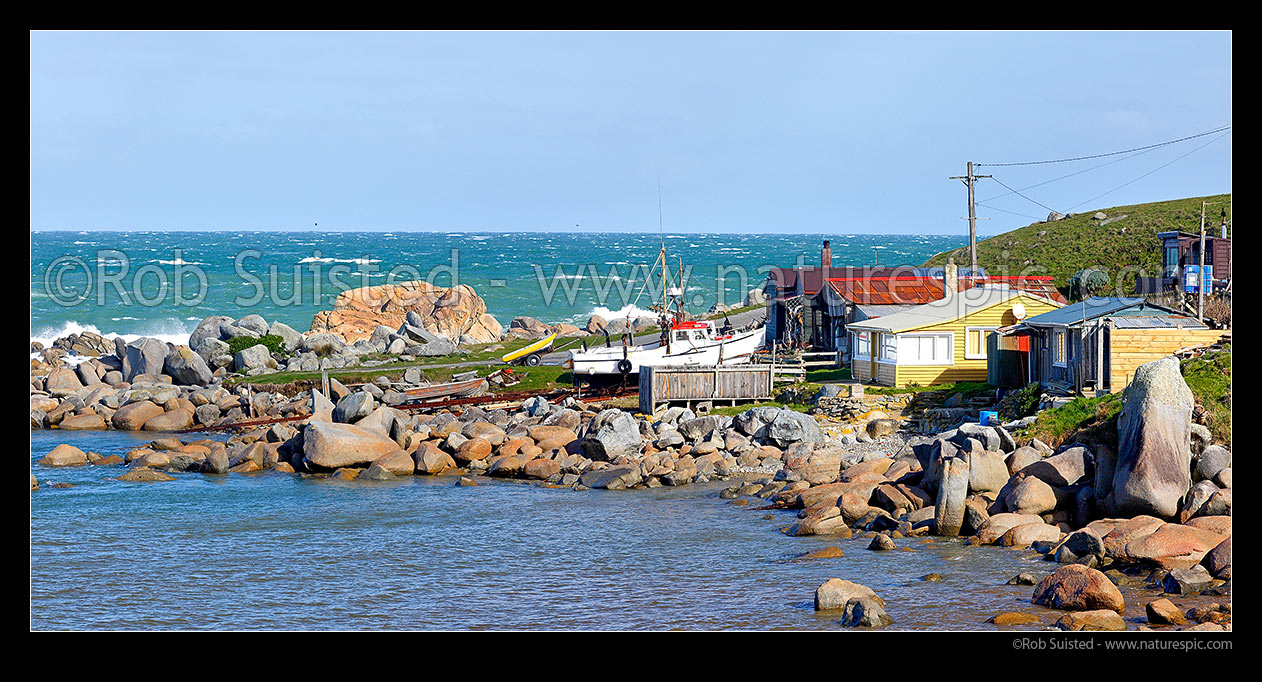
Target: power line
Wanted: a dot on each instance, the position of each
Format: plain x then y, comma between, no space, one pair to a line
1097,156
1179,158
1013,191
1070,175
996,208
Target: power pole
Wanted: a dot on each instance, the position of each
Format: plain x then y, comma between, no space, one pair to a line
970,180
1200,272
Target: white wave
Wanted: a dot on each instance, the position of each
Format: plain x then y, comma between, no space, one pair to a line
624,312
357,261
171,332
178,261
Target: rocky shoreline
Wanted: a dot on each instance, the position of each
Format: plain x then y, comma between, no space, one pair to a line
1157,512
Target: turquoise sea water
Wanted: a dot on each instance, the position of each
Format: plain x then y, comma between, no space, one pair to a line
275,551
162,283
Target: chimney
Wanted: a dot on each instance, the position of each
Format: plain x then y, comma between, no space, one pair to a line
950,278
826,256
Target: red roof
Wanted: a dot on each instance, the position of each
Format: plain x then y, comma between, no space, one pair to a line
888,290
1039,285
915,290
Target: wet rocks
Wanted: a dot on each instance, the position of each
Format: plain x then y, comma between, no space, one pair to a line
64,455
1078,588
836,593
1100,619
1164,612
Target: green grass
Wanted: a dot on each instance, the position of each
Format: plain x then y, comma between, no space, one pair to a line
1073,244
1210,380
824,376
1081,419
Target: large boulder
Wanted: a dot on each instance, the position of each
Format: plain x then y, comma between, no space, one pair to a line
291,337
948,514
612,478
1030,496
1174,545
791,427
815,463
451,313
61,382
353,407
1075,587
145,355
207,329
174,420
837,593
1154,457
64,455
254,357
611,434
132,416
187,368
1064,468
328,445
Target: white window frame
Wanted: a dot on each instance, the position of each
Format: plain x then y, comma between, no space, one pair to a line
981,344
949,336
886,357
867,339
1060,342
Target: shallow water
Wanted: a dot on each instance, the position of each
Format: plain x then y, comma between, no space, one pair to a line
276,551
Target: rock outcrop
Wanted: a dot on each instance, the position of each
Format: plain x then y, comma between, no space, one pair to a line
455,313
1154,459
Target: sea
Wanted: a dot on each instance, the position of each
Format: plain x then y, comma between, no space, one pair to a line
161,284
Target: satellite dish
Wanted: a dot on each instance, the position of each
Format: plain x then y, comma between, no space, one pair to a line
1018,311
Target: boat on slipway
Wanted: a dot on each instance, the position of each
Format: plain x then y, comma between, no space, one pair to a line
682,342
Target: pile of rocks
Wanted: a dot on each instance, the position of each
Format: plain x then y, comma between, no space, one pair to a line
211,338
150,402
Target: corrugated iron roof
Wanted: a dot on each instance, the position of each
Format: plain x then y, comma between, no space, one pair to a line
1092,308
1156,322
886,291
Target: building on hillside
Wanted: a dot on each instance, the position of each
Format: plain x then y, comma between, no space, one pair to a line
1180,254
1092,346
942,341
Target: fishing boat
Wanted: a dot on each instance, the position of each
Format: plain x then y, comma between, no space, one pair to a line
681,342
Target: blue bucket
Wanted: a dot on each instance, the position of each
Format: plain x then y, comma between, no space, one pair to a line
988,417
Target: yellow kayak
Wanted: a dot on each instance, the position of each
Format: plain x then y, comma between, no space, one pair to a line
531,355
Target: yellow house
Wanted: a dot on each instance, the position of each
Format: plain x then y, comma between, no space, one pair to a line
939,342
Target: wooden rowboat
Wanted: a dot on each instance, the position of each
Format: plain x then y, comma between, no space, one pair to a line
455,389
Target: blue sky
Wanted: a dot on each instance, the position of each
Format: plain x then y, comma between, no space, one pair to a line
748,131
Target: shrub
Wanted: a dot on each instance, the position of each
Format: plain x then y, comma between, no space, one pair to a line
275,344
1087,283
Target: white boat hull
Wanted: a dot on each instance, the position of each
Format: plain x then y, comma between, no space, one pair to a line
604,361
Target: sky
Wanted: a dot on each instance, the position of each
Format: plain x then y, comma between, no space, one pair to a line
745,132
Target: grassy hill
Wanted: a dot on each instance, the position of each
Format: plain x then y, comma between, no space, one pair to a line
1120,248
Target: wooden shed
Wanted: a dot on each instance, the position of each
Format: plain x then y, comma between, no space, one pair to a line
692,384
1095,345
